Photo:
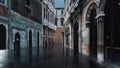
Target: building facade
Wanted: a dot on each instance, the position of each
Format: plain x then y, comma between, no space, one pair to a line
26,22
59,22
4,21
91,28
48,21
20,25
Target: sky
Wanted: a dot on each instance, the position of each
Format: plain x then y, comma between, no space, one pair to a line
59,3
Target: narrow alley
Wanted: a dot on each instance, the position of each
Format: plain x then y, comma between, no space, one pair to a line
59,34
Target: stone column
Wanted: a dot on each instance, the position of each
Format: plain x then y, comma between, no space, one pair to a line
100,39
86,38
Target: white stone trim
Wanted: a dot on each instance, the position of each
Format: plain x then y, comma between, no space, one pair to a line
101,14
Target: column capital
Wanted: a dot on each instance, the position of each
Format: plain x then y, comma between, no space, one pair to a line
101,14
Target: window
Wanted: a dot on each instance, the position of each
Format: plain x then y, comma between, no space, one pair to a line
61,12
56,21
56,13
44,12
5,2
62,20
27,2
48,16
2,1
53,18
43,31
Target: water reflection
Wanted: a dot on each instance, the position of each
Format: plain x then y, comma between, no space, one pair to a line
45,58
3,57
76,59
30,54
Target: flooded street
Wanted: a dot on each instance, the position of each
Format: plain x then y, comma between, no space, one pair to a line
50,57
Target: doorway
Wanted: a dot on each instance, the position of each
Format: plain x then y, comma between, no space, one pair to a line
2,37
30,45
76,48
17,44
93,34
38,43
30,39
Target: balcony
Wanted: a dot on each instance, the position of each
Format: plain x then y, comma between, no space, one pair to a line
51,7
49,24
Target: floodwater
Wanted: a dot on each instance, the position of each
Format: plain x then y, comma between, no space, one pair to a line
51,57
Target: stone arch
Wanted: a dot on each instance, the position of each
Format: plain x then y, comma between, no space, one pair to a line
89,10
102,5
92,25
2,37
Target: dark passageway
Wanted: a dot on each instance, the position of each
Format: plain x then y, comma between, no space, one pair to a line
2,37
76,42
93,34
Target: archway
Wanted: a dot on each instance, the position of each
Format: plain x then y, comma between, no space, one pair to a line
38,43
92,28
38,39
2,37
17,44
76,48
30,45
93,33
30,39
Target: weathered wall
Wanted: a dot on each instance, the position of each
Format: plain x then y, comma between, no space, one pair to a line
22,25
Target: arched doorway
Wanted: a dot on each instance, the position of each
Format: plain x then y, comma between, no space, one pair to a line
30,39
30,45
38,39
76,48
38,43
93,33
17,44
2,37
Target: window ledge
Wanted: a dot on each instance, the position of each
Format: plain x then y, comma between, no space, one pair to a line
3,5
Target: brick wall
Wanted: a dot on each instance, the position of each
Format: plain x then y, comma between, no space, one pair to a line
3,11
32,11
